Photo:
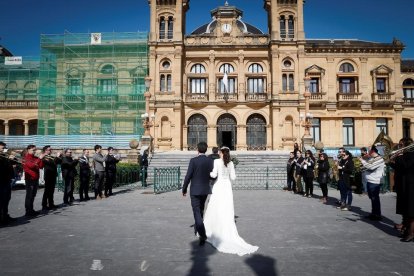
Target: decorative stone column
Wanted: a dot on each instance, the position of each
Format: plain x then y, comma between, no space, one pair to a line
26,128
241,137
6,128
212,136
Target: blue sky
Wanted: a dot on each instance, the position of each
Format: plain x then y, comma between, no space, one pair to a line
22,21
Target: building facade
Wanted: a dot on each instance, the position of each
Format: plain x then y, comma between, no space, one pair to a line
228,83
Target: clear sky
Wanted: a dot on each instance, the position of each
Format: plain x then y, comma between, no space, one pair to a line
22,21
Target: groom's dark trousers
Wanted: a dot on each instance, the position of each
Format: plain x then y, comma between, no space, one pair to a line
199,174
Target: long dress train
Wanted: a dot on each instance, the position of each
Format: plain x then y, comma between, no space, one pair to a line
219,222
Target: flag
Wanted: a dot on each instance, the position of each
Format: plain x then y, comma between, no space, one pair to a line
226,82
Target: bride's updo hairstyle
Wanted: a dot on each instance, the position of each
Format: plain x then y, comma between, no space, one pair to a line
226,155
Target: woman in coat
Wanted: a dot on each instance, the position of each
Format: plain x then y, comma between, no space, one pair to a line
308,166
323,175
346,169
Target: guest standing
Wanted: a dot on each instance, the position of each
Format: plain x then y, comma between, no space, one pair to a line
308,167
68,172
144,164
31,167
50,175
298,172
110,170
290,170
6,176
84,175
99,169
346,169
323,175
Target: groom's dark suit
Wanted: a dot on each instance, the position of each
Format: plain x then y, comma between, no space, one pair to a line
199,174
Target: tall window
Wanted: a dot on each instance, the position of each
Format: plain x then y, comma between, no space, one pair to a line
406,128
255,84
314,85
382,124
170,27
162,28
198,84
108,69
107,86
165,83
316,129
408,90
381,85
346,85
348,131
231,80
74,86
287,26
288,82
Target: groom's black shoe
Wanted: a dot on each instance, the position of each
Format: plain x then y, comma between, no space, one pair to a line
202,241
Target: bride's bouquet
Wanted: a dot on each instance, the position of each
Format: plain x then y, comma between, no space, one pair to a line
234,160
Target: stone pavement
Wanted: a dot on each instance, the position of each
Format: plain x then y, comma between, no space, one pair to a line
136,233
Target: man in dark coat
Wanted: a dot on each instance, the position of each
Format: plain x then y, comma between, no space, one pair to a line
144,167
84,175
50,173
199,174
68,172
6,175
110,170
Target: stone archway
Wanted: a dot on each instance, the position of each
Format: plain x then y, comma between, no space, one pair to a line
227,131
197,131
256,132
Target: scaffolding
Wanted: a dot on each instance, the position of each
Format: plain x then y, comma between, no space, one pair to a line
92,83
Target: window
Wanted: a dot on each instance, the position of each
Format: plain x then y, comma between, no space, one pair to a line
287,26
198,84
162,28
108,69
381,85
346,68
348,131
288,83
382,124
165,83
346,85
314,85
74,86
255,84
162,83
107,86
166,65
168,82
408,90
170,27
231,81
406,128
316,129
226,68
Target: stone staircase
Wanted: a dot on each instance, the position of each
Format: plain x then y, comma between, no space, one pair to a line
248,160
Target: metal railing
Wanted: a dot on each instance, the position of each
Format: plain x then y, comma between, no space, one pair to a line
166,179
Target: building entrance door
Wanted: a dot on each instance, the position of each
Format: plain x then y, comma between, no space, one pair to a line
227,131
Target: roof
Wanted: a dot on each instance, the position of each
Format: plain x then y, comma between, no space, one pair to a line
407,65
4,52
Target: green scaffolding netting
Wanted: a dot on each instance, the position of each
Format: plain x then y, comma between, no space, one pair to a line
92,87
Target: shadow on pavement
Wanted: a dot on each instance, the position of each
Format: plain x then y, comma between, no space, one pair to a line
262,265
199,257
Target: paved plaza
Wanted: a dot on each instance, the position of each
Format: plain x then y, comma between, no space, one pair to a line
138,233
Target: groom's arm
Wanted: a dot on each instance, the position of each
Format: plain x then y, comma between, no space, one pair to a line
188,177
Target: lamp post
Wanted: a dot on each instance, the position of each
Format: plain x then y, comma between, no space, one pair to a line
307,124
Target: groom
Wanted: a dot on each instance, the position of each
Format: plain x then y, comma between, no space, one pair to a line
199,174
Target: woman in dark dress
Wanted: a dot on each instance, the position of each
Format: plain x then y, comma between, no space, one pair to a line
323,175
346,169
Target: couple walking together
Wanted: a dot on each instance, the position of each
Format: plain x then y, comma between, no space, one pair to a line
218,227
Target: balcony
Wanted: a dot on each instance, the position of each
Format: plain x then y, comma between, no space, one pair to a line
28,104
349,99
256,97
73,98
231,97
382,99
196,97
408,101
318,99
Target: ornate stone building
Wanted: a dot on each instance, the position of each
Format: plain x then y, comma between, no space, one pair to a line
229,83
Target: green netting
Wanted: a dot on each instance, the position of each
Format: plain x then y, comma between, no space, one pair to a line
19,82
94,89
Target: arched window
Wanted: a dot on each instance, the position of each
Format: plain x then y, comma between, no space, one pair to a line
12,92
198,84
287,27
288,75
291,27
282,27
165,127
346,68
198,69
226,68
197,131
170,27
162,27
255,83
256,132
408,90
108,69
166,27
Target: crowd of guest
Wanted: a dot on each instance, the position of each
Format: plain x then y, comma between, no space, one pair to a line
103,167
307,169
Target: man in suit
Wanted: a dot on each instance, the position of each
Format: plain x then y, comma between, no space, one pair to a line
84,175
199,174
50,173
99,168
68,172
110,170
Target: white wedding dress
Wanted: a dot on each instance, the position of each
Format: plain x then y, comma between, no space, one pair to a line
219,222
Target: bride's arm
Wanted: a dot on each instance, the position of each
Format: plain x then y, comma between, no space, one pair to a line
232,171
214,173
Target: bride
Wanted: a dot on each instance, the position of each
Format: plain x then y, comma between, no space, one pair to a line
219,222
